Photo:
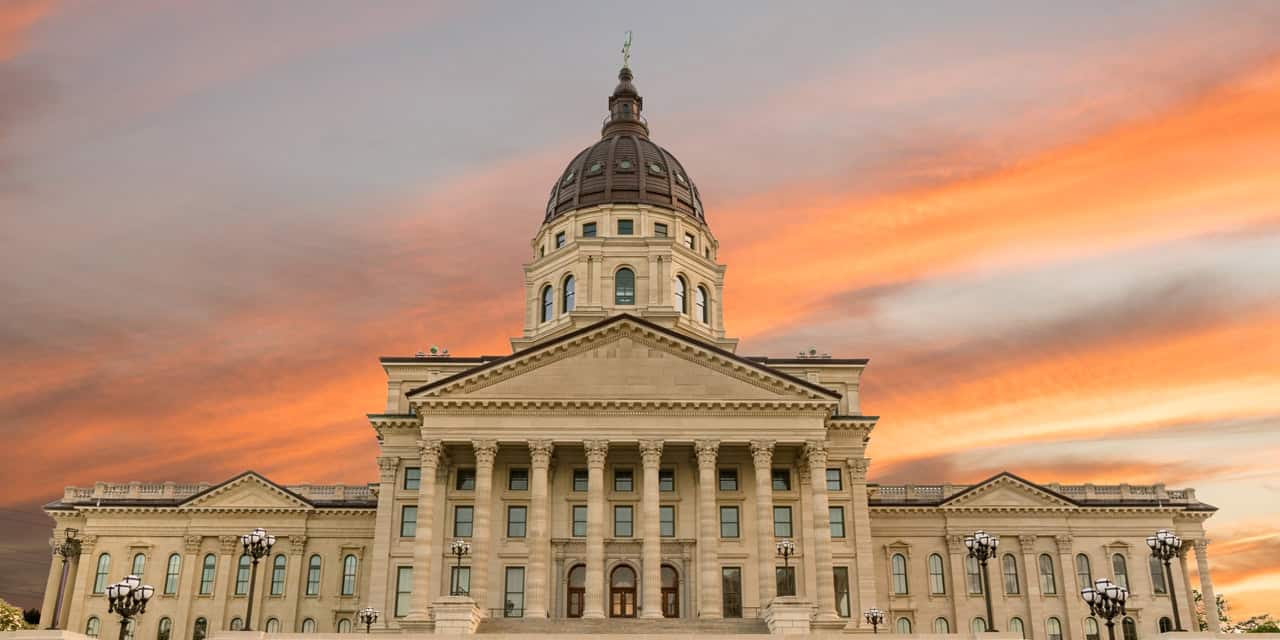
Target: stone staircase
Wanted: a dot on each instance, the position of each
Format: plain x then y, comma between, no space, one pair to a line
662,626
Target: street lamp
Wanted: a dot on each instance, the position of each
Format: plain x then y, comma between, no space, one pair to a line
257,544
875,618
1165,546
69,548
128,598
1106,600
458,548
367,616
982,546
786,549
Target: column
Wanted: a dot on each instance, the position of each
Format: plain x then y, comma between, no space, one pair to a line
651,551
85,569
1035,601
864,561
807,554
816,455
73,572
762,458
1206,586
1076,610
539,543
227,558
383,533
293,588
188,585
57,564
597,452
959,587
481,535
1184,599
709,598
429,454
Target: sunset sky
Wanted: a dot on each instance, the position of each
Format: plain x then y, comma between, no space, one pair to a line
1054,228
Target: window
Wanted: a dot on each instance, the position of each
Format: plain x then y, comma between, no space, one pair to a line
782,522
728,522
200,629
1053,629
940,625
904,626
588,229
278,565
973,575
836,517
567,295
786,579
92,626
623,480
517,517
242,574
559,239
349,565
731,590
666,480
580,479
465,480
625,228
1091,631
781,480
313,575
579,520
460,581
237,624
518,479
1166,625
978,625
689,241
1120,569
513,602
667,521
548,304
139,564
1009,567
682,298
841,579
408,521
728,479
835,480
659,229
1048,584
207,573
624,287
463,519
308,625
899,563
100,578
1015,626
937,579
1084,575
622,521
165,629
412,478
404,590
273,625
1157,576
700,305
171,574
344,625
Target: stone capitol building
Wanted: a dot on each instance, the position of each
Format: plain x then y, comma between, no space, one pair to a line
627,468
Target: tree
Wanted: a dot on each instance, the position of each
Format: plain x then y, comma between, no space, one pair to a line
1261,623
1203,623
10,617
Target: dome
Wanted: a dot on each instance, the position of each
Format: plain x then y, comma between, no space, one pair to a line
625,166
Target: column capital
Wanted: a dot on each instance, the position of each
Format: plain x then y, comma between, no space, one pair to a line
296,545
1028,543
486,451
858,468
228,544
815,452
762,453
1201,545
87,543
540,452
706,451
387,467
429,452
597,452
802,473
651,452
191,544
1063,541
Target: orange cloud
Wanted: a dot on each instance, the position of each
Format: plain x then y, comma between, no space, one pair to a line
16,17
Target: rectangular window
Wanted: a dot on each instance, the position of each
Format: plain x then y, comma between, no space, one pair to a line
781,480
782,522
463,519
837,522
728,479
689,241
659,230
625,228
728,522
842,591
459,581
412,478
622,521
465,480
518,479
579,520
666,480
623,480
589,230
404,590
513,602
580,479
786,577
408,521
516,519
559,239
731,590
835,480
667,521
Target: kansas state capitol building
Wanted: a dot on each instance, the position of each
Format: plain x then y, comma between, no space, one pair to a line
626,460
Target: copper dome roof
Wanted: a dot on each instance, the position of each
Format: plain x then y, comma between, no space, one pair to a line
624,166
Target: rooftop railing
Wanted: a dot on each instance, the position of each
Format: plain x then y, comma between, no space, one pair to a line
161,491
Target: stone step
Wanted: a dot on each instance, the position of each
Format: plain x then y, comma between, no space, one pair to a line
622,626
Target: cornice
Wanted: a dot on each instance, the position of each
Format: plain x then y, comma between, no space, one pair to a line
939,510
442,406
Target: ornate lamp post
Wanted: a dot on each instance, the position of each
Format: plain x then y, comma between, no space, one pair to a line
1165,546
128,598
875,618
69,548
1106,600
458,548
982,546
786,549
257,544
367,616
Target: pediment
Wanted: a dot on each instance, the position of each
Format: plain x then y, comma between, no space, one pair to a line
249,491
1010,492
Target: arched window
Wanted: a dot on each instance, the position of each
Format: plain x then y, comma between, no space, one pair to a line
171,573
1091,629
624,287
92,627
937,580
1166,625
904,626
100,578
548,304
567,295
973,574
237,624
273,625
622,592
670,592
1009,567
242,575
313,576
577,591
682,295
700,306
139,564
344,625
278,566
1130,629
349,575
165,629
978,625
1157,576
1053,629
1015,626
207,573
1048,584
308,626
1084,573
899,574
1120,568
940,625
200,629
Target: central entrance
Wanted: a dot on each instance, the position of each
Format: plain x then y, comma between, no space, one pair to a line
622,592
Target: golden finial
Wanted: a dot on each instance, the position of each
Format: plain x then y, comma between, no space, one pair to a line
626,52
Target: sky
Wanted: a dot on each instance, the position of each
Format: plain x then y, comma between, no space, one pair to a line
1054,228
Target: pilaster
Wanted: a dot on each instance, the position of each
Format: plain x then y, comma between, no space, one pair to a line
187,585
1076,611
864,559
762,460
709,596
83,583
227,546
293,587
1035,600
384,522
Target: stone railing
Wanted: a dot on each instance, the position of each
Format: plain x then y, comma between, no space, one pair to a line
170,491
1081,492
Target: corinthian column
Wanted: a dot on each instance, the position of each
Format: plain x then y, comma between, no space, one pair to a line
539,543
597,452
651,551
384,522
419,613
816,454
1076,611
709,602
762,458
1206,586
486,451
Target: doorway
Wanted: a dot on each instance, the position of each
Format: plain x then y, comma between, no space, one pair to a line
622,592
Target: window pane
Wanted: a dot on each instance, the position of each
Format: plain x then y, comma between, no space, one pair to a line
622,521
171,574
139,564
404,590
973,575
518,480
837,521
624,287
625,228
1157,575
513,603
349,565
580,479
782,522
1047,582
568,295
1084,573
941,626
904,626
313,576
786,577
667,521
781,480
278,574
459,581
701,304
207,573
689,240
1120,569
623,480
1015,626
937,579
835,481
589,230
516,518
242,575
463,517
412,477
559,239
728,479
580,520
659,229
466,480
1009,566
666,480
728,522
408,521
899,569
841,579
731,591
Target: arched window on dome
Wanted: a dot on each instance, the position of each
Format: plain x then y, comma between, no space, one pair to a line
548,304
567,294
701,305
624,287
682,295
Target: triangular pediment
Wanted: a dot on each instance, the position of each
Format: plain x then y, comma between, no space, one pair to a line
1008,491
248,491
